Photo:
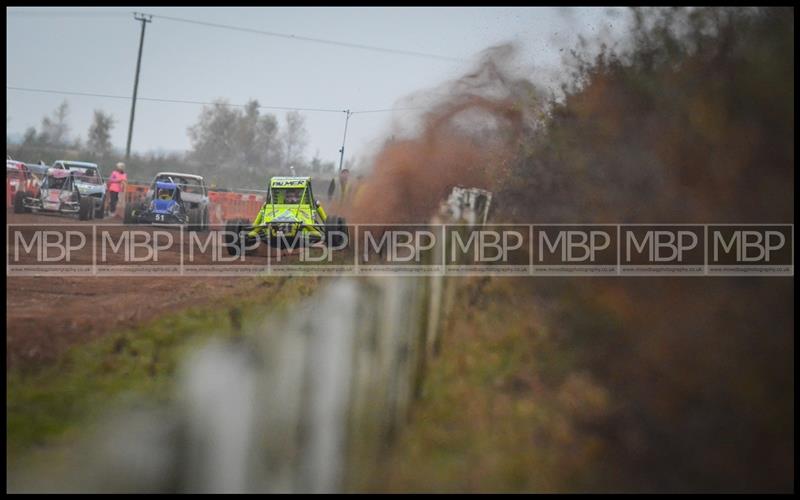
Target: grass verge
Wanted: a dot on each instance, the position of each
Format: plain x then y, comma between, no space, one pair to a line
52,404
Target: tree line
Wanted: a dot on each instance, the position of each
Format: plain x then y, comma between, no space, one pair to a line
230,146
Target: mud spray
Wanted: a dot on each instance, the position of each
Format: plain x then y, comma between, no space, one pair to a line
465,139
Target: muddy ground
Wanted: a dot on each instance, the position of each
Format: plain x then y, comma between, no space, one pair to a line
45,315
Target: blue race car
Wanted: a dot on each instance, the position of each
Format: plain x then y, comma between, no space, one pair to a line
165,207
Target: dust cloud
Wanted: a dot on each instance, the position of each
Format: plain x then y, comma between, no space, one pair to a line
465,138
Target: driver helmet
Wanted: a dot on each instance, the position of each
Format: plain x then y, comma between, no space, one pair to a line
292,196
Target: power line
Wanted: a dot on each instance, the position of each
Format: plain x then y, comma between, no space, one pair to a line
183,101
75,13
312,39
64,13
385,110
173,101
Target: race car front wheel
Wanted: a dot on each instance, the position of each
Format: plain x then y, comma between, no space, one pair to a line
99,210
86,208
192,220
19,203
197,220
234,232
128,214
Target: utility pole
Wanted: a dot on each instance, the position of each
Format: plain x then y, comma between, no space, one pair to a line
144,18
341,151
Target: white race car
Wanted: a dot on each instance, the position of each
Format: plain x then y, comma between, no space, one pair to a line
88,180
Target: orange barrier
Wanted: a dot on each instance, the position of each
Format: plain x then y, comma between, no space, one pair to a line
232,205
223,205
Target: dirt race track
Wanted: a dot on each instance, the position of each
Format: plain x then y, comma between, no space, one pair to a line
47,314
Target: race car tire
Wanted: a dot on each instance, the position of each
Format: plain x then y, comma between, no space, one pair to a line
142,209
86,208
99,210
338,224
239,228
248,240
232,237
19,203
193,220
198,220
128,218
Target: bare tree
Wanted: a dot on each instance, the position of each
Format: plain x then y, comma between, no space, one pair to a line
241,140
269,143
295,138
246,135
213,136
99,140
55,130
30,137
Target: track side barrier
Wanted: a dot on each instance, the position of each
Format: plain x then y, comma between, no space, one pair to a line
223,205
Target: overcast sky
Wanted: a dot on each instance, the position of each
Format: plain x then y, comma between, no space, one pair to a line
93,50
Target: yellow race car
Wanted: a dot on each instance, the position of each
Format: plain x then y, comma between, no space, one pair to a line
289,218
